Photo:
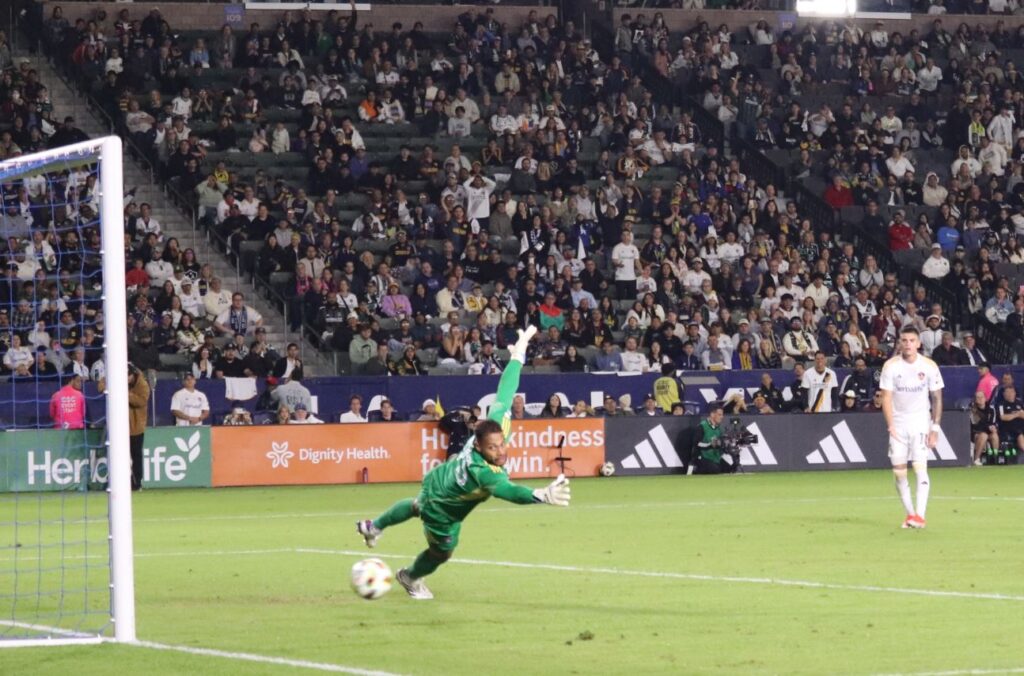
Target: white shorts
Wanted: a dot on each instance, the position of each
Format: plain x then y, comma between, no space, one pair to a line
912,446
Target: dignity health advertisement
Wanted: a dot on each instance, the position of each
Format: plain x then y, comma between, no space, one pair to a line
390,452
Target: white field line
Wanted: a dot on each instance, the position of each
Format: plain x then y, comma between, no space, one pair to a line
190,650
623,505
337,668
700,577
48,636
47,629
959,672
159,555
262,659
771,581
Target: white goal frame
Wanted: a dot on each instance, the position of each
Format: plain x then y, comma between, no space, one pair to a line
107,151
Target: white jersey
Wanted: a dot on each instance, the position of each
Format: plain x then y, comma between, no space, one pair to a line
911,384
627,255
191,404
819,388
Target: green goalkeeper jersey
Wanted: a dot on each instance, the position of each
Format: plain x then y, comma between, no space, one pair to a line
452,489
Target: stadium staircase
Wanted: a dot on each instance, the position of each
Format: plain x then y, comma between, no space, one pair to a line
142,178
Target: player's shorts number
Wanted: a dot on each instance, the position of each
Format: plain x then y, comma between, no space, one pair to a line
908,447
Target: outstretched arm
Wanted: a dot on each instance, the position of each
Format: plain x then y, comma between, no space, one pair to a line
501,487
507,387
509,382
556,493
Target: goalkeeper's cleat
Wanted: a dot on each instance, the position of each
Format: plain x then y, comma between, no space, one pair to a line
415,588
369,532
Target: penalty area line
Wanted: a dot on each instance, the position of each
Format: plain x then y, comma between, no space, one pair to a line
959,672
674,504
68,637
768,581
261,659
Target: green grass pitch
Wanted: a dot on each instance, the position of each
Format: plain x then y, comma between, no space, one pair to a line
717,582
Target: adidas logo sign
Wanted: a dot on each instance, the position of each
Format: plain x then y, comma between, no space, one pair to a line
658,451
942,449
646,457
832,452
759,453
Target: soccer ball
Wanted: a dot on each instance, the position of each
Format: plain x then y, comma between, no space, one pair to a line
371,578
607,469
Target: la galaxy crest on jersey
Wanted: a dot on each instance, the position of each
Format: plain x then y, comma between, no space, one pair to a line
911,386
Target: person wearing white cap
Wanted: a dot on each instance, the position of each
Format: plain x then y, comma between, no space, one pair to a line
931,337
429,409
191,300
936,266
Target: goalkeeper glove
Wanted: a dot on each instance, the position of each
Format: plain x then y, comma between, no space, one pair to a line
555,493
518,350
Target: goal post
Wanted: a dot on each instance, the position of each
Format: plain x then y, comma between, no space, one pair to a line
67,571
115,312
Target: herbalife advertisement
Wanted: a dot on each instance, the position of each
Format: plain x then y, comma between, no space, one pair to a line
54,460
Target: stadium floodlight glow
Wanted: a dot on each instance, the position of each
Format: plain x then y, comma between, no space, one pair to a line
52,590
826,8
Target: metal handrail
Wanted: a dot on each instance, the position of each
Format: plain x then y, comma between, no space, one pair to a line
937,293
760,167
65,72
1002,346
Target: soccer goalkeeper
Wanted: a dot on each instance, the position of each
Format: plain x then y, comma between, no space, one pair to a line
451,490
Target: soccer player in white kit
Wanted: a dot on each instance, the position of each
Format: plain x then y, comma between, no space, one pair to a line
911,386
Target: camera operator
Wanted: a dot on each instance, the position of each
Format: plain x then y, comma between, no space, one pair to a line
458,424
710,458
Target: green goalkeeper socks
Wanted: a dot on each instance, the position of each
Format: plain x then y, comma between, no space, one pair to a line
424,565
403,510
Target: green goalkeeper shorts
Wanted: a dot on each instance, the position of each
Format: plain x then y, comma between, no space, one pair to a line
444,538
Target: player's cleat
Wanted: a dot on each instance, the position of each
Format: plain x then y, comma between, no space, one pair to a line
369,532
415,588
913,521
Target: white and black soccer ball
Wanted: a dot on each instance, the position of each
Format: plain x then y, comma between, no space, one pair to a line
371,578
607,469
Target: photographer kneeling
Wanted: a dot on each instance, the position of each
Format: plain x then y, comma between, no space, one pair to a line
710,455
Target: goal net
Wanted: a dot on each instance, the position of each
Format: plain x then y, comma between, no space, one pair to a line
65,491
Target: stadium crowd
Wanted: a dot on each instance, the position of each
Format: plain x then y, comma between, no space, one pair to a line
417,198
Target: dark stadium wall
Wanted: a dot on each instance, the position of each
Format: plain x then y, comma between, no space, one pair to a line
211,16
739,20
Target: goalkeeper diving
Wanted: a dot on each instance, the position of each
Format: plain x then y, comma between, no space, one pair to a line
453,489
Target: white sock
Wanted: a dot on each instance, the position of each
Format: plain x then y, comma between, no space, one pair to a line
923,488
903,490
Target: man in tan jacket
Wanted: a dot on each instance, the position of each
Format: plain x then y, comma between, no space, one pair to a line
138,401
